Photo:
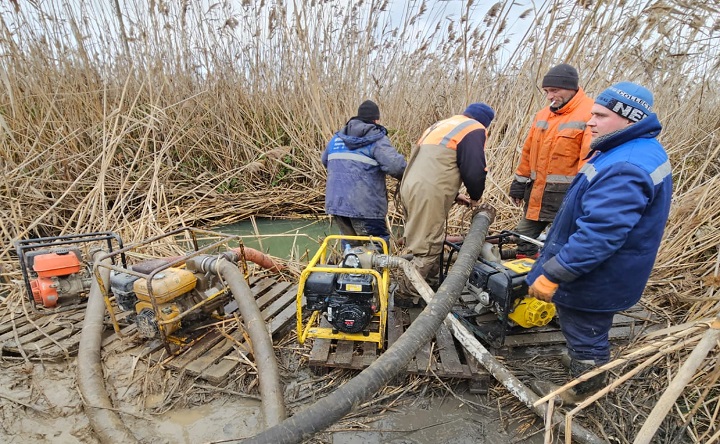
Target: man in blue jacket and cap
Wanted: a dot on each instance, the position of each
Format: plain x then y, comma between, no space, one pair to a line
357,159
602,246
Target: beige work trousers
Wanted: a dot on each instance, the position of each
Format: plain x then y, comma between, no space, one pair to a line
428,189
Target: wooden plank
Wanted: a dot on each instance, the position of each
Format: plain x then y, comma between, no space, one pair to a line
286,299
7,324
320,351
423,359
219,371
25,328
63,333
343,353
369,353
282,319
257,289
476,370
212,357
113,342
195,356
31,333
449,359
262,285
322,343
197,349
276,290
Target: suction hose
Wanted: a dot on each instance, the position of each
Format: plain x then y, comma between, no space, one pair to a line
273,405
105,422
333,407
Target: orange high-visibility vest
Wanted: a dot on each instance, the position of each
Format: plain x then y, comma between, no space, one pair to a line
449,132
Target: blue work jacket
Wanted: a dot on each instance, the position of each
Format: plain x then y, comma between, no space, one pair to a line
357,159
603,243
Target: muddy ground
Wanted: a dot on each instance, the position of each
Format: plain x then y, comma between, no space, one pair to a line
40,403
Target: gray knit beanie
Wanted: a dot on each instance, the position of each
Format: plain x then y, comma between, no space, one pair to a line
561,76
368,111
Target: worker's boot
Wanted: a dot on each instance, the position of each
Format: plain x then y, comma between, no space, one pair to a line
579,392
565,360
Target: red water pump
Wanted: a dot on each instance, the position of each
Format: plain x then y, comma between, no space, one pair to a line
59,269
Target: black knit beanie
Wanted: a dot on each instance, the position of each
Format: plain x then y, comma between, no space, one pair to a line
368,111
561,76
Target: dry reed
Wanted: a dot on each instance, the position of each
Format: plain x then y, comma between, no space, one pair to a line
165,114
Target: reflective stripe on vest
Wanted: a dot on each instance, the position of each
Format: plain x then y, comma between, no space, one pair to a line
661,172
557,178
449,132
576,124
353,156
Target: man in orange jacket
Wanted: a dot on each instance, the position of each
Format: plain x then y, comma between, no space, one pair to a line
554,151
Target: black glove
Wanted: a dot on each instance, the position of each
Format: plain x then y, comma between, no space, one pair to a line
517,189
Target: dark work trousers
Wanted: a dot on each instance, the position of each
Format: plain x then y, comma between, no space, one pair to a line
586,333
353,226
529,228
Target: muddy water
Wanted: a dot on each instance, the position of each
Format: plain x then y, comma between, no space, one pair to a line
284,238
434,421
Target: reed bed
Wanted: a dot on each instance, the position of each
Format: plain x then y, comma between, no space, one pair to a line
164,114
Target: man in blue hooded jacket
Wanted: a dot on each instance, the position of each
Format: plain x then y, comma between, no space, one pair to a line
602,246
357,159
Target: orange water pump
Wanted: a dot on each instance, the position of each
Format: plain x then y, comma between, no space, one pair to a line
58,270
59,273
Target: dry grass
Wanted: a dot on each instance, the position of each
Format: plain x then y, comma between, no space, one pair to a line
162,115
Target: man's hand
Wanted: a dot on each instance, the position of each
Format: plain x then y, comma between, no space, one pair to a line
543,289
464,199
517,191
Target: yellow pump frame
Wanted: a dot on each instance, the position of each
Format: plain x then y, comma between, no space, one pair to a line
310,329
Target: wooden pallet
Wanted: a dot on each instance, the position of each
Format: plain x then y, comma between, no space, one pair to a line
216,354
442,356
549,340
43,336
57,335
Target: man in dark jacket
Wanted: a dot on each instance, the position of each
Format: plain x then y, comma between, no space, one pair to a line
357,159
602,246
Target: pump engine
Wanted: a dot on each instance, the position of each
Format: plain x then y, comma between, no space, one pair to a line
57,273
500,288
349,299
190,297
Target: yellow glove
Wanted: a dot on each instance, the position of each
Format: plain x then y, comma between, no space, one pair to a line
543,289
